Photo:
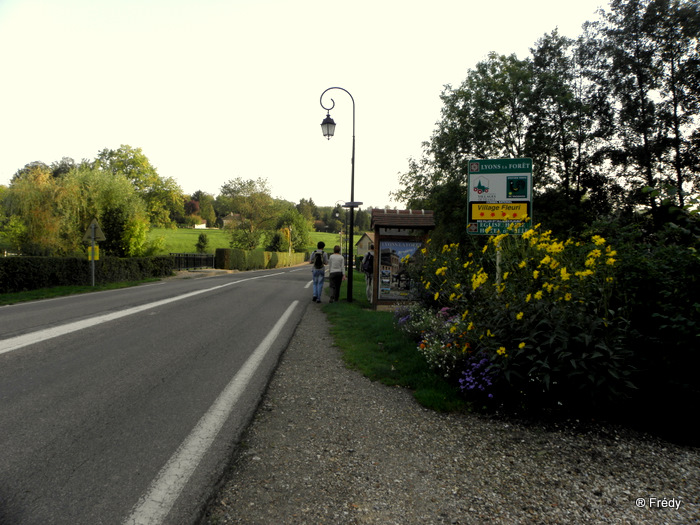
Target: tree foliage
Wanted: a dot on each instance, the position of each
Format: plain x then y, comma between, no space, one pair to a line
49,215
162,195
603,117
291,226
252,201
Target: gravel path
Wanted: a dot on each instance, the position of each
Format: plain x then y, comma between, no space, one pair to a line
328,446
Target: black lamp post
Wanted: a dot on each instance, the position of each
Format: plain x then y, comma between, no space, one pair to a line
328,127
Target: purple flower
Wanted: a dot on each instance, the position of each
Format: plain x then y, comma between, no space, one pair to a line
477,376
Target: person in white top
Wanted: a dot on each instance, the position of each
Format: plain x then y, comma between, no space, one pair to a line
336,271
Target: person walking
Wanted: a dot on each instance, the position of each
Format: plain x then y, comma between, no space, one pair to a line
319,259
368,269
336,272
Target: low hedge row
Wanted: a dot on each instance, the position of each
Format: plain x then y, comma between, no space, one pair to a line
236,259
19,274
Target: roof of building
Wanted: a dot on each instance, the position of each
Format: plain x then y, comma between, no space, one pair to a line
369,235
408,219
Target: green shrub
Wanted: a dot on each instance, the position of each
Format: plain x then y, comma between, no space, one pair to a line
659,284
527,320
202,243
237,259
31,273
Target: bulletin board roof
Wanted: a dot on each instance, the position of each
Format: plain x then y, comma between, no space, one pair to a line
408,219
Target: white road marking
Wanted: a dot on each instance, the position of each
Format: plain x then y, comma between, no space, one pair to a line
13,343
156,503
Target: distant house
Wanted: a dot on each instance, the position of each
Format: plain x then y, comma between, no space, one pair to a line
232,220
364,242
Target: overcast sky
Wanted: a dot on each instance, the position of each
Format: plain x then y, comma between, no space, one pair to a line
212,90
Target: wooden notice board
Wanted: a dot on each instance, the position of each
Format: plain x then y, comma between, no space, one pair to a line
397,234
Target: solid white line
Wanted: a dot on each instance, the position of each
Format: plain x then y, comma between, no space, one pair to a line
13,343
156,503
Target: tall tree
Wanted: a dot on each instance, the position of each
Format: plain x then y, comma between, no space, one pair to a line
250,199
363,219
49,215
291,221
675,32
205,202
31,169
308,209
114,202
632,72
487,116
162,195
132,163
33,198
552,134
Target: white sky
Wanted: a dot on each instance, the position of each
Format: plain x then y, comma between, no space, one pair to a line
213,90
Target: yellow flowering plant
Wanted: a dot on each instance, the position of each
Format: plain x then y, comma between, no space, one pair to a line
537,308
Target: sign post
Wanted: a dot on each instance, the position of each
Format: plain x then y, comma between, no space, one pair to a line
500,196
94,233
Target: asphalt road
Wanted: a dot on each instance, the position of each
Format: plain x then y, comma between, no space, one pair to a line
125,406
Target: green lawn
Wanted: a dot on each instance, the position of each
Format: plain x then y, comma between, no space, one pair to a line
372,344
331,239
183,240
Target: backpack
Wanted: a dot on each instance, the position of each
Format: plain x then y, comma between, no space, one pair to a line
318,260
368,263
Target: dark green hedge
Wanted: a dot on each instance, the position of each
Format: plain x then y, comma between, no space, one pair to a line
19,274
236,259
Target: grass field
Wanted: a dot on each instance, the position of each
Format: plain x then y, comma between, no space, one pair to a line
184,240
331,239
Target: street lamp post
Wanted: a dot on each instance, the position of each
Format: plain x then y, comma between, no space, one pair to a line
328,127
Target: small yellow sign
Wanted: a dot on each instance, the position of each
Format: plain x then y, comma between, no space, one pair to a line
97,253
499,211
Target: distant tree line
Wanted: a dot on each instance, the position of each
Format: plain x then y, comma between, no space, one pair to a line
47,208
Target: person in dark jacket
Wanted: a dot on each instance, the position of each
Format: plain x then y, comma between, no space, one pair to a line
319,259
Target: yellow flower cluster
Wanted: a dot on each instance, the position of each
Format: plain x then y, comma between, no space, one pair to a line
538,271
479,278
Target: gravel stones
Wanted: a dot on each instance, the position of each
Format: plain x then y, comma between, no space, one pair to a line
328,446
